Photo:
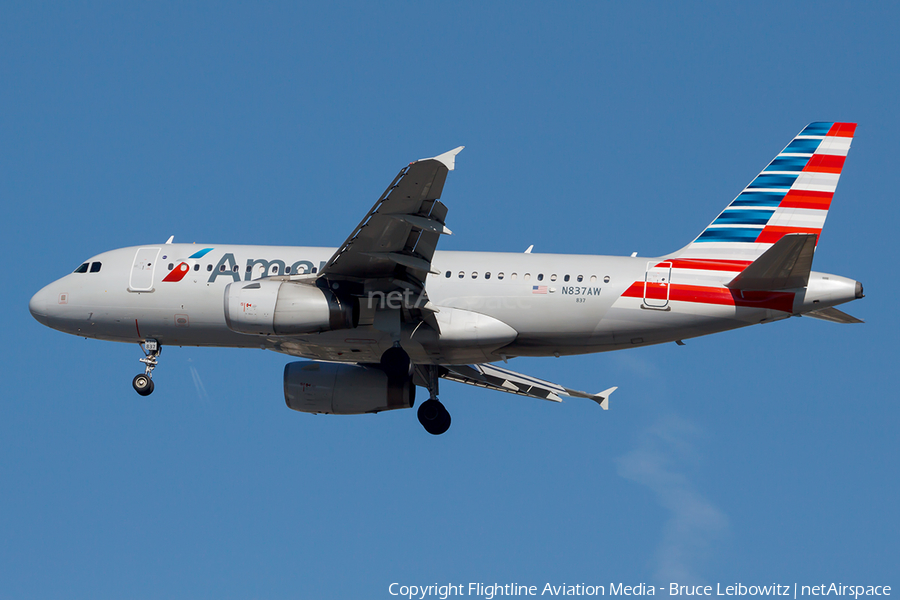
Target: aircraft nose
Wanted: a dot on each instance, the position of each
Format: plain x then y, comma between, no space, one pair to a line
42,304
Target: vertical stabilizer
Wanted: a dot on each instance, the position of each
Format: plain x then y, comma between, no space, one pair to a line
791,195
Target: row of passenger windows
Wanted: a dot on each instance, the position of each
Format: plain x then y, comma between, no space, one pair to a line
300,270
273,270
527,276
94,268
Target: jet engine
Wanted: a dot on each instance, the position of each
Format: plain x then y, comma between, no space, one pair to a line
341,389
285,308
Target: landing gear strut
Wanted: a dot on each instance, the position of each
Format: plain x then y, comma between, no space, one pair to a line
432,414
143,382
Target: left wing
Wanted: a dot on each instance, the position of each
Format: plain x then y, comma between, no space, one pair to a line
393,245
503,380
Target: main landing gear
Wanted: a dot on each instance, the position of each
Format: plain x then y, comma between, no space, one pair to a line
432,414
143,382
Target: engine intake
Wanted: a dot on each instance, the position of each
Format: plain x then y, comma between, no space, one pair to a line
285,308
340,389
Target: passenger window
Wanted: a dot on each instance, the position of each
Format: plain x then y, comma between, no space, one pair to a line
593,279
500,275
287,270
461,274
314,269
527,276
553,277
474,274
171,266
540,276
95,267
235,269
197,267
209,267
580,278
566,278
222,268
447,274
82,269
606,279
249,268
487,275
513,276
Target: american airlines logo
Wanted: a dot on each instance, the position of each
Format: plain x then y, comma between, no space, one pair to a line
228,267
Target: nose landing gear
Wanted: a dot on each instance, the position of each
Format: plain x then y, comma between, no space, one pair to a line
143,382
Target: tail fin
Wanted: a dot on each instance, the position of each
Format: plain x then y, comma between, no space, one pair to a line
791,195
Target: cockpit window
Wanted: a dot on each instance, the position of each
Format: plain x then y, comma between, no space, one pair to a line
82,269
95,267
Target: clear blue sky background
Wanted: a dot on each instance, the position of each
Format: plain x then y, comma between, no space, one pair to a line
766,454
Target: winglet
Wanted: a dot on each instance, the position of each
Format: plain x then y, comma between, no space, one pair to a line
602,398
448,159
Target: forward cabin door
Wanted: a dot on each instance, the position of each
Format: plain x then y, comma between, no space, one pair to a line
656,284
143,269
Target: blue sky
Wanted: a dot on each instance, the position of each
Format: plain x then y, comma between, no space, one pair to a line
766,454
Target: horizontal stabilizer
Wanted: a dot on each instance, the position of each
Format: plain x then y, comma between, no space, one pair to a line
784,266
503,380
832,314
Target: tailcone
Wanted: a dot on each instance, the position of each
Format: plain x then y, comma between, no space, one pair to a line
824,290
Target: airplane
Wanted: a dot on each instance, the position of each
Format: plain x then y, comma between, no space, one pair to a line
386,312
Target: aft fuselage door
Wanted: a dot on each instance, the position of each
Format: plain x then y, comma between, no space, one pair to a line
656,284
142,270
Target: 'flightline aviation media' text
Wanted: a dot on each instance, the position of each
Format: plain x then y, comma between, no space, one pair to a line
490,591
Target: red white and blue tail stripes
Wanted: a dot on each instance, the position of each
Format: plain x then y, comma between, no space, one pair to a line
791,195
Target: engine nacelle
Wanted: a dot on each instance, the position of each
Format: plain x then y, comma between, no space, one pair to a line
285,308
339,389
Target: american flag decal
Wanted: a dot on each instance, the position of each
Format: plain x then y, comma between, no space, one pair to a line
539,289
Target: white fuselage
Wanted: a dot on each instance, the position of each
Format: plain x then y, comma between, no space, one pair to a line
490,305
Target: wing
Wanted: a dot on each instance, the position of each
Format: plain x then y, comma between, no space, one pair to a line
504,380
394,243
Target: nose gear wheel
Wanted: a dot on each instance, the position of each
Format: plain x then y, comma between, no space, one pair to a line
143,382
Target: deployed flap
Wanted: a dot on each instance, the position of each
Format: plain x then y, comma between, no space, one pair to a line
784,266
503,380
832,314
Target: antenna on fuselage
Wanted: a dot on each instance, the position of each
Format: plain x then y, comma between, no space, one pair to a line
530,248
171,237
